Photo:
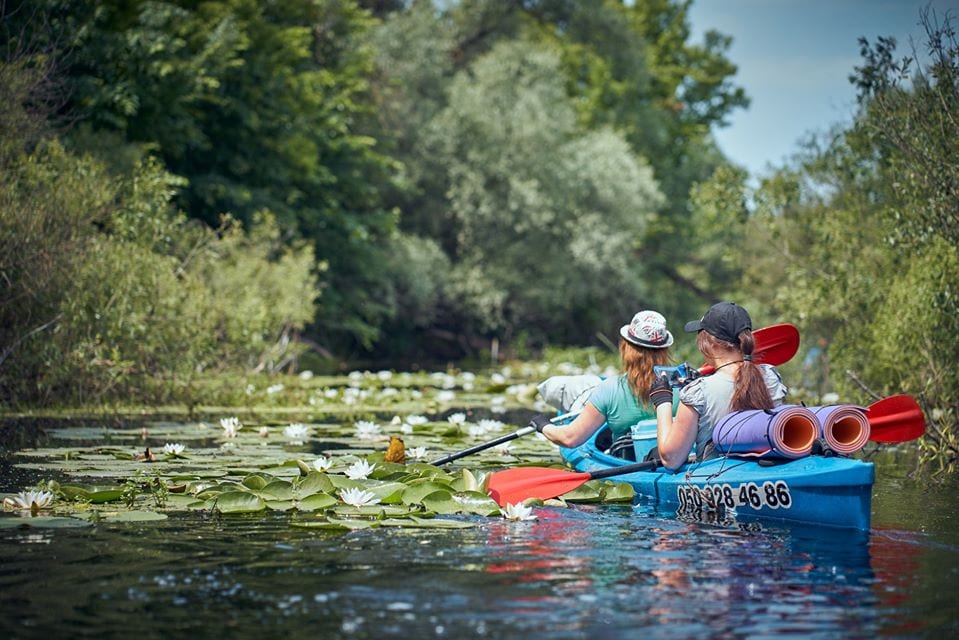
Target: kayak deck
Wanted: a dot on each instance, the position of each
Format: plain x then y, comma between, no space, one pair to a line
831,491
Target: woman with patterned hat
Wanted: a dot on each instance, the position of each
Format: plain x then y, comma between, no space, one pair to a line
619,401
725,338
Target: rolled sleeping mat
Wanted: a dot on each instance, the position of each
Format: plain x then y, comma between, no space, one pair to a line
844,427
787,431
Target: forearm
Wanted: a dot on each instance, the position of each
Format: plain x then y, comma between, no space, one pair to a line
578,431
673,447
565,435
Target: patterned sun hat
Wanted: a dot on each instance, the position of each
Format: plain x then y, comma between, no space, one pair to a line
648,329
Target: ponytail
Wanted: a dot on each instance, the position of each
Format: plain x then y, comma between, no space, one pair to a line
751,391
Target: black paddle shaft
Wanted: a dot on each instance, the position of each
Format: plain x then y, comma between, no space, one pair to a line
629,468
483,446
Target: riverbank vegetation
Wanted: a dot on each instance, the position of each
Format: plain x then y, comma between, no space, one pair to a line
188,189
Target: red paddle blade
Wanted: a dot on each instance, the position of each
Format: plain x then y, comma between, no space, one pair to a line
896,419
515,485
775,345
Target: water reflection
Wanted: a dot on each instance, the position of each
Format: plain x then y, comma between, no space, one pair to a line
606,572
603,572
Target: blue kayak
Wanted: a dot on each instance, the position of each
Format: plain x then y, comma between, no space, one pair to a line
831,491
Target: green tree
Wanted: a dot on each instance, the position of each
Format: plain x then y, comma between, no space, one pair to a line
856,240
544,213
622,69
107,291
260,106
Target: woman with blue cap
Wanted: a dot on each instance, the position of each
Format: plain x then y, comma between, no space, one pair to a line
725,338
619,401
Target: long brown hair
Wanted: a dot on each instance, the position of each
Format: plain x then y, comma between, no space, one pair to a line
638,364
750,391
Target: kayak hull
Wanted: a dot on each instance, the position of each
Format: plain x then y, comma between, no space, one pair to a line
817,490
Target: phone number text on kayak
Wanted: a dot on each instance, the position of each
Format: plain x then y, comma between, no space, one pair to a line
772,494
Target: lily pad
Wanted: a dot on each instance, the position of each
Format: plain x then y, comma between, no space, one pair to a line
255,482
591,491
42,522
316,502
442,502
180,501
618,492
133,516
415,493
439,523
314,482
320,524
426,523
103,496
388,492
277,490
476,502
239,502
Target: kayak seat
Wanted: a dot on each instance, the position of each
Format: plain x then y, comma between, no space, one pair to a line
622,447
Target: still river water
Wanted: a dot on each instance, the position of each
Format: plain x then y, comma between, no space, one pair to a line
583,572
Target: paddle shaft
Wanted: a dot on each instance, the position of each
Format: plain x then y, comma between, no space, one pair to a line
629,468
519,433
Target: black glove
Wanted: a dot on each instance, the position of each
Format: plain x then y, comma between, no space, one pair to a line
539,421
661,392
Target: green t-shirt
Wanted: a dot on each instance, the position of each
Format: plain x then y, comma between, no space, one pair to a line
614,400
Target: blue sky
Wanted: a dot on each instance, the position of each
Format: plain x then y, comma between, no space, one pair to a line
794,59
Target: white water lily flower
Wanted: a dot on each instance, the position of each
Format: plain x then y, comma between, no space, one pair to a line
264,432
250,389
173,448
497,378
446,396
296,432
366,430
518,512
29,501
359,470
331,393
416,453
406,429
230,426
416,420
356,497
274,388
491,426
457,418
323,464
384,375
306,374
476,431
